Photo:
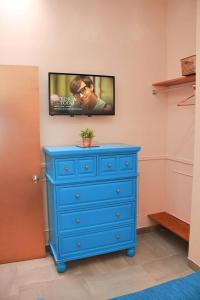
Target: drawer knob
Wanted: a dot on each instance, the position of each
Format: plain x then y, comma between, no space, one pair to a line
78,245
66,169
118,190
109,165
126,163
77,196
117,215
86,167
118,237
78,221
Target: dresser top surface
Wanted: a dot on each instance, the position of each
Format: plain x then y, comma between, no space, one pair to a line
103,148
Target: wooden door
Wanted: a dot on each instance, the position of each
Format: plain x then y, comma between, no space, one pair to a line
21,209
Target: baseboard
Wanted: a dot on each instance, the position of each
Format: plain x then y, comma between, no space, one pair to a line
193,266
148,229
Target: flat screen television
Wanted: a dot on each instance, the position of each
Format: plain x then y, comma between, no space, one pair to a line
81,94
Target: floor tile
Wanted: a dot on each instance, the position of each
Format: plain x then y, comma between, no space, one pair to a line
167,267
175,276
8,276
72,289
118,283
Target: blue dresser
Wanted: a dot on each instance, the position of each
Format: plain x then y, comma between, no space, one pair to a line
92,195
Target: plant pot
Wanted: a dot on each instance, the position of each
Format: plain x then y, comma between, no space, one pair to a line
87,142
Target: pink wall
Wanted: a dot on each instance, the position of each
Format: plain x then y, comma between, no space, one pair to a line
122,38
194,254
103,37
181,33
181,40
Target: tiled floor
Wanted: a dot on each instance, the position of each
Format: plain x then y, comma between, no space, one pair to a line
160,256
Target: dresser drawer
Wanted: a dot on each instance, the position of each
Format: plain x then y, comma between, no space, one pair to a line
79,167
127,163
95,240
95,192
95,217
87,166
108,165
65,168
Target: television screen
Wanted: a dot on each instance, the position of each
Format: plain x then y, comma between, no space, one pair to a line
81,94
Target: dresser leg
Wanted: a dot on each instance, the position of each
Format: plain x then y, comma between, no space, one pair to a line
61,267
131,252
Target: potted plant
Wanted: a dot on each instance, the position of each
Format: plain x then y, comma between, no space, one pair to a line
87,135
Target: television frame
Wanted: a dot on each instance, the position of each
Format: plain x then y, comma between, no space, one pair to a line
66,113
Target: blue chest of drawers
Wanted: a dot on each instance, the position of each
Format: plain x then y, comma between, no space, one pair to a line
92,194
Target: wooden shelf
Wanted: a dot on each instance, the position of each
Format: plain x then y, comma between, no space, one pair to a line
176,81
172,223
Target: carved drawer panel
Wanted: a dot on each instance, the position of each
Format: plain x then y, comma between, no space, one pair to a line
75,220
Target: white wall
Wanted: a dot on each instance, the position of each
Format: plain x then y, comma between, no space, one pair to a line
122,38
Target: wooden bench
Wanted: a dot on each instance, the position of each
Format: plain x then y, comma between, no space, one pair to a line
177,226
